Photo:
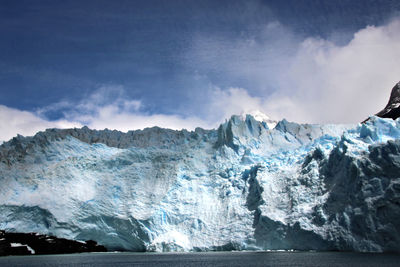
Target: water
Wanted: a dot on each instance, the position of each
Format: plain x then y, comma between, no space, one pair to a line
207,259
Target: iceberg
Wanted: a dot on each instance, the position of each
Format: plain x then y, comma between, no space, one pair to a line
248,185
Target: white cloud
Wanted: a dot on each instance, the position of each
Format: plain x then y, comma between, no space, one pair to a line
127,121
305,80
108,107
225,103
329,83
115,113
14,121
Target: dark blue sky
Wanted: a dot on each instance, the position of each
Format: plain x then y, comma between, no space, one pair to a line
165,54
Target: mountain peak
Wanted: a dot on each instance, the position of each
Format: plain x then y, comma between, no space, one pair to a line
259,116
392,109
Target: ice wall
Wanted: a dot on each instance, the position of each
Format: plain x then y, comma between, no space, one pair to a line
242,186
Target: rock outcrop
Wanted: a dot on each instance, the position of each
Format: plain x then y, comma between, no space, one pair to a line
32,243
392,109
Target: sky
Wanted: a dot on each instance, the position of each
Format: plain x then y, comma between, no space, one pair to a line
177,64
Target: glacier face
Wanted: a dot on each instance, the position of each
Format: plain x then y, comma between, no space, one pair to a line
242,186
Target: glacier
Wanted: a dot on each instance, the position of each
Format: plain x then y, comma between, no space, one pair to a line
247,185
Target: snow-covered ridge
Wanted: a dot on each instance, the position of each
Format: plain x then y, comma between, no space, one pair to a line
243,186
260,116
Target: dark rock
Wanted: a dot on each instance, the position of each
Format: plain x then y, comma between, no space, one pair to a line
32,243
392,109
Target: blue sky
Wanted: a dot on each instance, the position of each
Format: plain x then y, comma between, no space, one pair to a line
180,64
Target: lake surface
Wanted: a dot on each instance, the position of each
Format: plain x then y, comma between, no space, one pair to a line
207,259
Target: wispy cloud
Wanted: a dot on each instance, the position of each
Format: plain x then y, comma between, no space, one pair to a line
108,107
225,103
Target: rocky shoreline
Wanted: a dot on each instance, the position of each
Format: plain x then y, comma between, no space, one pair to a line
33,243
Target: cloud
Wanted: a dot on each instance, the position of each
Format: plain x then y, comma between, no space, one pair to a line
14,121
305,80
341,84
254,61
108,107
225,103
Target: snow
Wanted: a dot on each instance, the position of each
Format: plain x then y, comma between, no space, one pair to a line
260,116
22,245
246,185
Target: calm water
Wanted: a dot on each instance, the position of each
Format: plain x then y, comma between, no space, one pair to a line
207,259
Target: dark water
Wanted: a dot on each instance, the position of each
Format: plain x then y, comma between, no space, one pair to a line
207,259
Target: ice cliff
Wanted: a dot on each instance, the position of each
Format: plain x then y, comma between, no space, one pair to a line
241,186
